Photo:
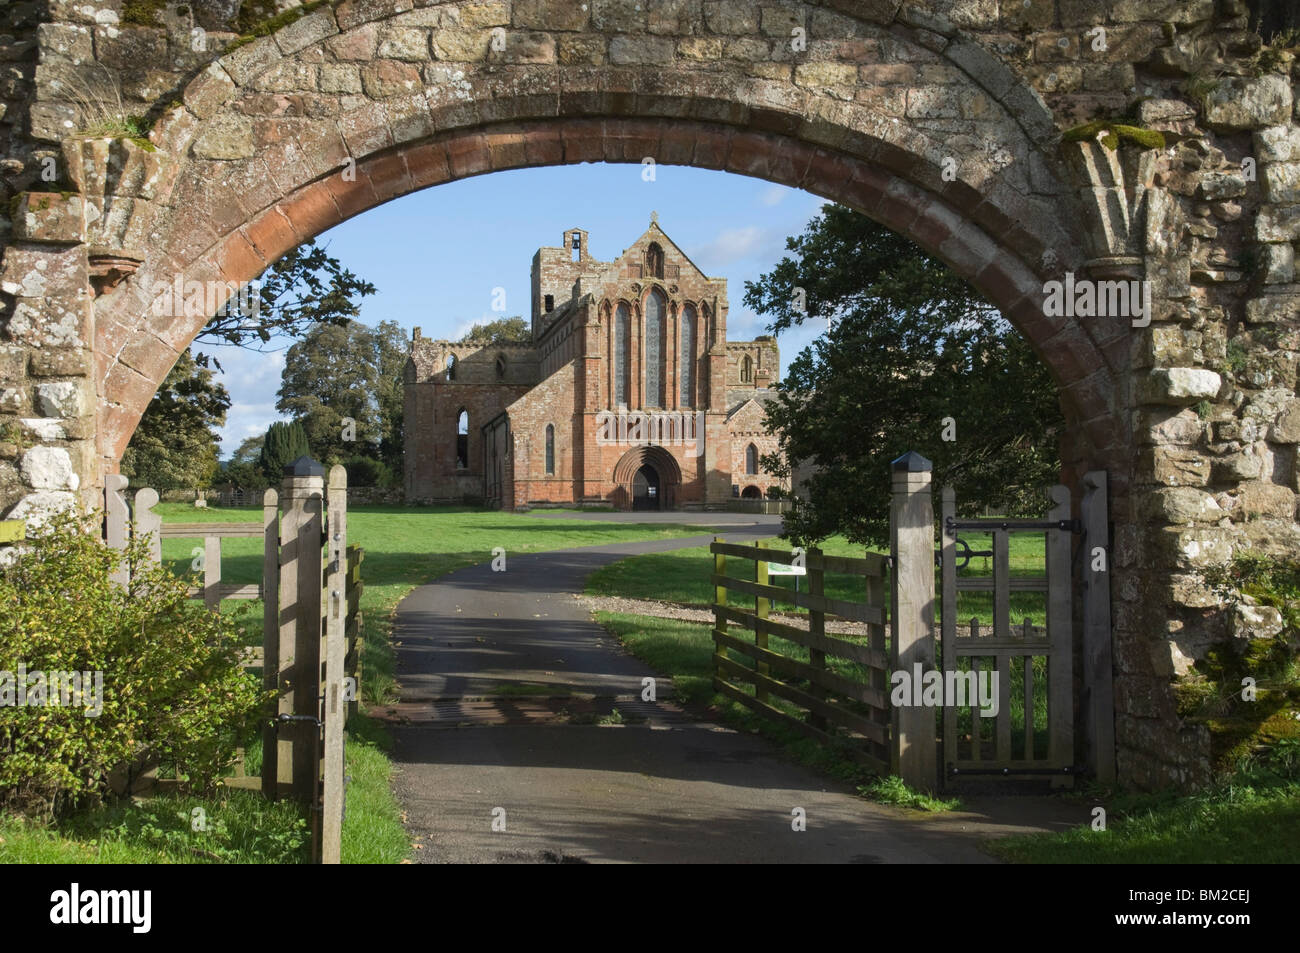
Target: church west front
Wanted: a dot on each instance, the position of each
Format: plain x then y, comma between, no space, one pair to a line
628,393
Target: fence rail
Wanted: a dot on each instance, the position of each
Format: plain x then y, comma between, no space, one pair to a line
829,706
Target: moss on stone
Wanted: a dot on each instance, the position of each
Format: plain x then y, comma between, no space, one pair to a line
142,12
1241,727
1111,134
258,17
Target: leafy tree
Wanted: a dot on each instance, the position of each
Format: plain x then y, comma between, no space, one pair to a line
390,354
174,446
284,443
249,450
305,288
908,344
344,384
501,331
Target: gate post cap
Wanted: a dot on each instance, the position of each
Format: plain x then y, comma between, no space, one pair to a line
911,462
304,466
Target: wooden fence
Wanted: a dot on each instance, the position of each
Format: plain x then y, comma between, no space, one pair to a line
311,627
850,700
849,704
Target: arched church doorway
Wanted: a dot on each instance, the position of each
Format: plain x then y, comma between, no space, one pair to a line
645,489
751,493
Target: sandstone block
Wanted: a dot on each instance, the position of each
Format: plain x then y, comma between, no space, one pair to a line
1241,102
386,78
1277,263
48,468
1222,185
405,43
1282,182
551,14
1182,505
226,137
1256,622
1278,223
1277,144
1287,428
39,507
731,17
61,399
1180,386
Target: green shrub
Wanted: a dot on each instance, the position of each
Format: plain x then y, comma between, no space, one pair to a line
172,690
367,471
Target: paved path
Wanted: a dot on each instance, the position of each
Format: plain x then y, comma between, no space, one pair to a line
667,790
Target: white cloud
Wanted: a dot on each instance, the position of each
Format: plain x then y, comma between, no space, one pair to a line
773,195
731,245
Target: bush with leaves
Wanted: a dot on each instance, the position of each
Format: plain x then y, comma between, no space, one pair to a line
173,691
367,471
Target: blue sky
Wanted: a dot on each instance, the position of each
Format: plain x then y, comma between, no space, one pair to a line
436,256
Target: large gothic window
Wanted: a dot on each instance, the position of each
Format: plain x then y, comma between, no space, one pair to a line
622,329
654,261
687,351
747,370
550,449
655,309
751,460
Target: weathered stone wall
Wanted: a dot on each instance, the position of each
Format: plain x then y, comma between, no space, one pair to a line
745,427
941,119
433,400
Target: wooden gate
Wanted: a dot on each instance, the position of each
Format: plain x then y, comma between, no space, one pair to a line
311,638
1017,677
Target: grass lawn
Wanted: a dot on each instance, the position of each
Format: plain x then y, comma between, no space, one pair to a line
683,576
1240,820
405,546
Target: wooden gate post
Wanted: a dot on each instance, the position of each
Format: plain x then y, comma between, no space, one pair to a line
270,635
911,544
298,747
117,523
336,709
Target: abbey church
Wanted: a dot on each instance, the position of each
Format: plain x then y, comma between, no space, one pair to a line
629,393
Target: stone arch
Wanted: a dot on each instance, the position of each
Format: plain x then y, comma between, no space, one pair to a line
926,116
252,181
625,470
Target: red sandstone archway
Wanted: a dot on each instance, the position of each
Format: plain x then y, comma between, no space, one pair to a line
232,212
625,471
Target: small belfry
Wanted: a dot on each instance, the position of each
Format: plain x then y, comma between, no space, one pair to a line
627,392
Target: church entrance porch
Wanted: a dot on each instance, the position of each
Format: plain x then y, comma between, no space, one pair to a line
646,478
645,489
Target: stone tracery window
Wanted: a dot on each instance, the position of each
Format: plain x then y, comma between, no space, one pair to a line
687,351
747,370
655,310
622,328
